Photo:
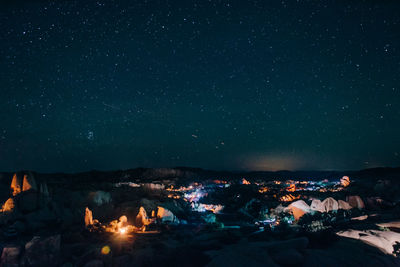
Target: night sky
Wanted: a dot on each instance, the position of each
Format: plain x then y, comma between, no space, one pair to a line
233,85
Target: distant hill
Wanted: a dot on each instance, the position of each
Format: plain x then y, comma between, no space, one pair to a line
187,174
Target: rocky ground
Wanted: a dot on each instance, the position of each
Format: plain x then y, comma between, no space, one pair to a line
42,223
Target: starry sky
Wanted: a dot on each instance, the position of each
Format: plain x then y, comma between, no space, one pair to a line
225,85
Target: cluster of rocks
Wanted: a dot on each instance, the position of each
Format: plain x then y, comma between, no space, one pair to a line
28,208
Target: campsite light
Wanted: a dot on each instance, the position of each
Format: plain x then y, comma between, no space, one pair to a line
122,231
105,250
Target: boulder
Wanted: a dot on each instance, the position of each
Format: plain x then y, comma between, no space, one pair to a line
88,217
10,256
355,202
8,206
166,216
16,184
142,219
42,251
40,219
28,201
29,183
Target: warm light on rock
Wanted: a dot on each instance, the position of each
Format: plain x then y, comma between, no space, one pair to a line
16,185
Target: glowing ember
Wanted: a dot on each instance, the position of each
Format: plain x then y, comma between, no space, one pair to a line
122,231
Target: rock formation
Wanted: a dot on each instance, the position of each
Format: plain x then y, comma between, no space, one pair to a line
142,219
166,216
28,183
88,217
16,185
8,206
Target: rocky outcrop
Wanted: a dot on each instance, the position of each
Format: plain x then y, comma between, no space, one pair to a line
16,184
142,219
8,206
166,216
29,183
88,217
42,251
10,256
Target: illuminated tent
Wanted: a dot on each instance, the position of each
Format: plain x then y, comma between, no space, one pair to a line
343,205
356,202
298,208
330,204
316,205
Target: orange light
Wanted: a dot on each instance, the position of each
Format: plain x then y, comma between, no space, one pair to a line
105,250
122,231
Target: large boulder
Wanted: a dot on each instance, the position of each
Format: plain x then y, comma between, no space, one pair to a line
10,256
28,201
29,183
40,219
166,216
16,184
8,206
42,251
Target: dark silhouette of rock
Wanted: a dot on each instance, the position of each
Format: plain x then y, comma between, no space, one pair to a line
10,256
42,251
28,201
